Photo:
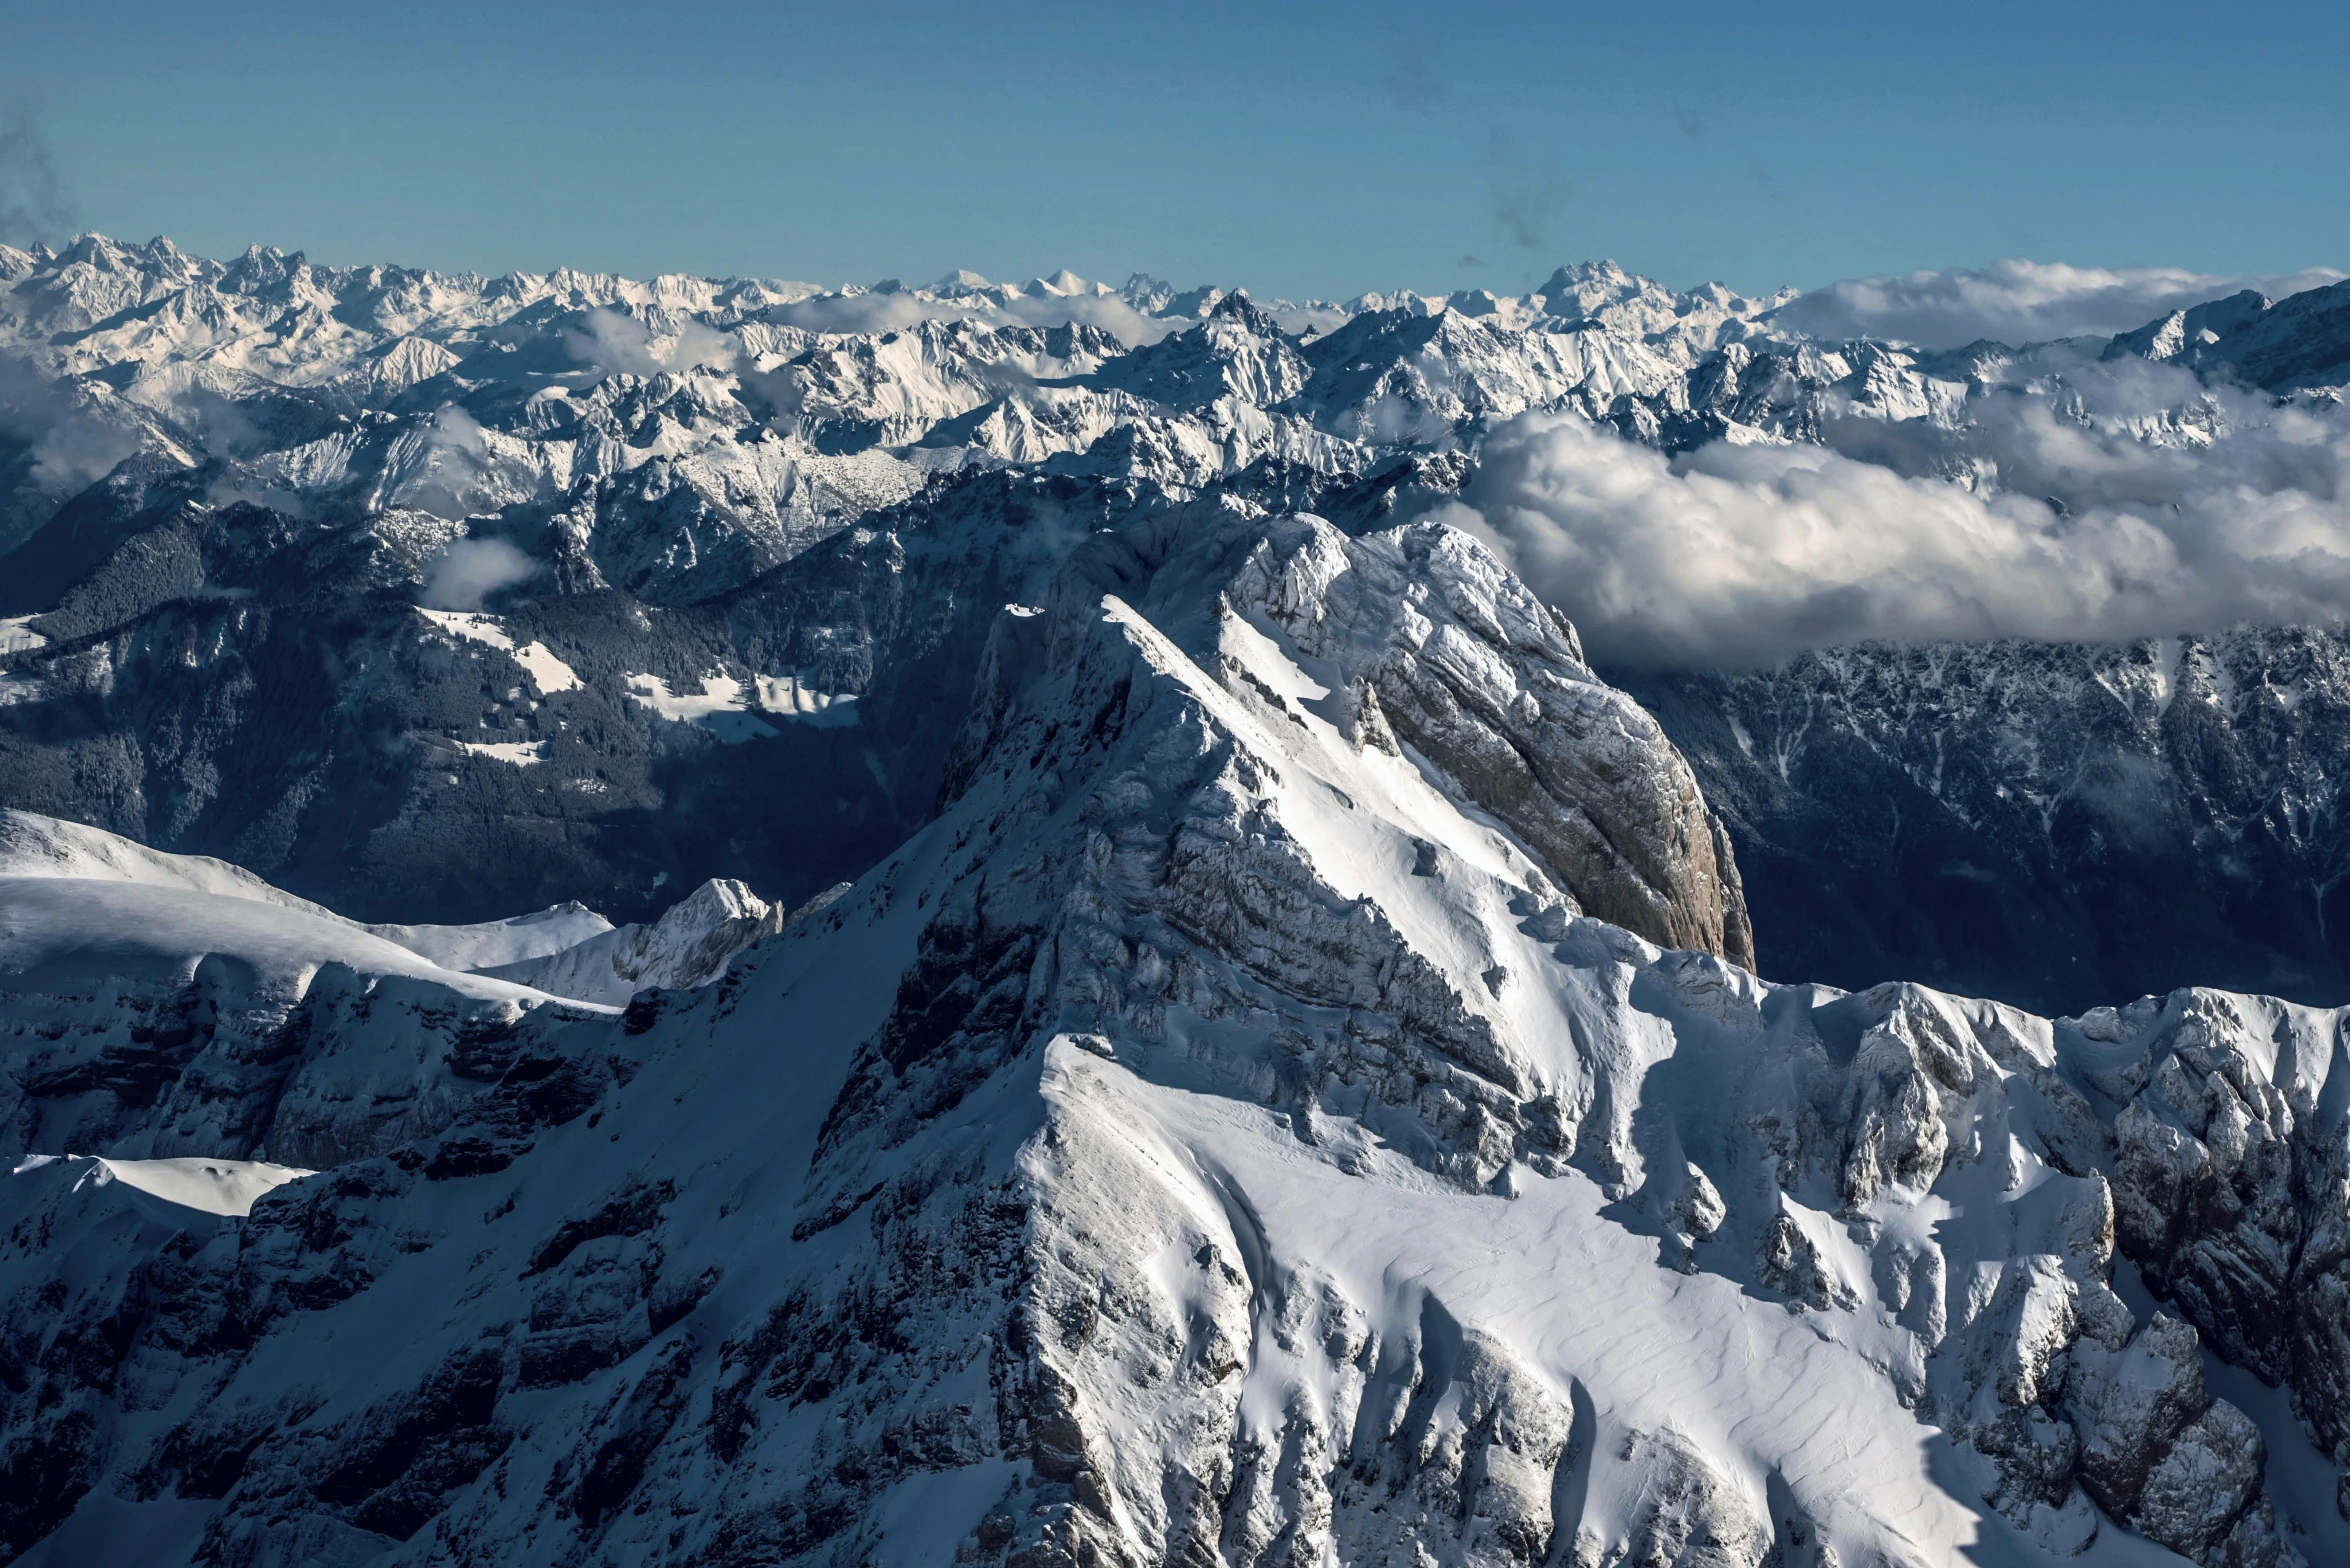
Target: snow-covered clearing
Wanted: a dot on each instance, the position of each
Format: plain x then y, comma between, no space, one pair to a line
547,672
721,706
520,753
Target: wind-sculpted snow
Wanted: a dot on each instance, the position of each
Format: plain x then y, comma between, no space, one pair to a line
183,1186
1224,1136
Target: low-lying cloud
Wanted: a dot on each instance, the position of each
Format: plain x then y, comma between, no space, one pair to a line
74,454
2018,301
885,310
615,342
473,569
1745,555
74,436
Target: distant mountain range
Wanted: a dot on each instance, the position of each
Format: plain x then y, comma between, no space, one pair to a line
1105,983
708,564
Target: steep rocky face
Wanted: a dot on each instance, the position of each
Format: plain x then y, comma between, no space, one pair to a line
2228,1182
1488,686
2052,824
1201,1143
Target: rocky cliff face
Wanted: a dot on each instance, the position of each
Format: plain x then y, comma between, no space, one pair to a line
2054,824
1225,1135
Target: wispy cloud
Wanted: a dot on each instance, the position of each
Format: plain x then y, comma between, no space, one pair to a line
2017,301
74,434
614,341
1527,193
473,569
34,204
882,312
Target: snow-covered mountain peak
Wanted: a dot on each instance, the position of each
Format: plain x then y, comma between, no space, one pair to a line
1236,973
1235,1137
337,384
690,945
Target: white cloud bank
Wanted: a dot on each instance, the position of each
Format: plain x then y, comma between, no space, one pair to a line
2018,301
995,306
470,570
1746,555
613,340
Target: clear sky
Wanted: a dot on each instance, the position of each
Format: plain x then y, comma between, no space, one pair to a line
1300,149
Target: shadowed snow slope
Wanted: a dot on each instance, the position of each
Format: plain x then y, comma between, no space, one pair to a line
155,1004
496,942
37,846
1225,1136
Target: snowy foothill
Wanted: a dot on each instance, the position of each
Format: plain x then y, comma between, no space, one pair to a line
81,901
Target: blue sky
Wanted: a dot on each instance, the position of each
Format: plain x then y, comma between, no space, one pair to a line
1302,149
